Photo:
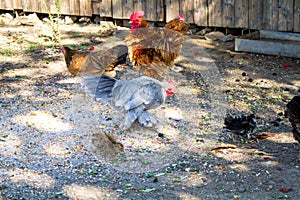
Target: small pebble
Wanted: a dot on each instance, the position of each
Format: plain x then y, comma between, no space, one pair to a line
161,135
237,80
244,74
250,80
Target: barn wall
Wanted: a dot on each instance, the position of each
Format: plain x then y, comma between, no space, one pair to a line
281,15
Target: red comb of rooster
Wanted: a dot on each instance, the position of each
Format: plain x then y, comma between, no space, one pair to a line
137,14
180,16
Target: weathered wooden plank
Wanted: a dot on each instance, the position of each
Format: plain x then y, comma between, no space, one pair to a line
65,7
186,7
117,9
228,13
17,4
285,21
27,5
172,9
215,13
200,12
282,48
85,8
74,7
106,8
96,7
127,6
276,35
150,8
160,10
8,5
255,14
241,11
138,5
268,14
296,16
275,14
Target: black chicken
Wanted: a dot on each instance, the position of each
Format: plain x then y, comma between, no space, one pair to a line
243,124
293,113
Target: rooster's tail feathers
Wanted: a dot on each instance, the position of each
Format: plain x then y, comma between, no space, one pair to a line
99,87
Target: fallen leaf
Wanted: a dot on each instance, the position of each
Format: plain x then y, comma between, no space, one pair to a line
286,65
224,147
284,190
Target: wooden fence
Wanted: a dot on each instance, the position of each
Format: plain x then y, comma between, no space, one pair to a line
282,15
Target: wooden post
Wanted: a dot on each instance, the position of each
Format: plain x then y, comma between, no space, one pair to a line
241,14
297,16
255,14
172,9
200,12
117,9
285,21
215,13
227,8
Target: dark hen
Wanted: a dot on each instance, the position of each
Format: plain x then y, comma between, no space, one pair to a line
293,114
243,125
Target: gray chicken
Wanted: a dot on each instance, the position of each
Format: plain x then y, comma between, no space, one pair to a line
131,97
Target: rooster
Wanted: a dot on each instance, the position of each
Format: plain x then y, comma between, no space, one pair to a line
132,97
293,114
153,51
90,62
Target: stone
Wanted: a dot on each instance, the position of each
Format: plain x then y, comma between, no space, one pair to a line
227,38
68,20
203,31
97,20
6,18
84,20
29,20
214,36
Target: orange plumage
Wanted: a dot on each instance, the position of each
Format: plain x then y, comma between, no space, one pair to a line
94,62
153,51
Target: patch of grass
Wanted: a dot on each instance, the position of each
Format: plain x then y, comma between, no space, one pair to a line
7,52
31,48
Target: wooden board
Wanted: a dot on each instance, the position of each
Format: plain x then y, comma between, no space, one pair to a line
65,7
200,12
117,9
286,14
150,8
241,11
127,6
96,4
282,48
105,8
186,7
74,7
215,17
17,4
297,16
267,14
227,8
160,11
85,8
138,5
255,14
172,9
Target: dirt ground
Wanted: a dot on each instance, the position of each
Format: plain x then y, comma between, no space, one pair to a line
41,148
